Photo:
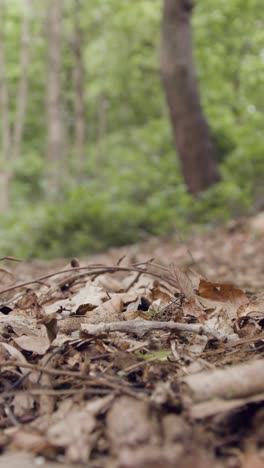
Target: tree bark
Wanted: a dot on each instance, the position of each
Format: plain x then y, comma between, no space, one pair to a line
78,85
191,131
55,127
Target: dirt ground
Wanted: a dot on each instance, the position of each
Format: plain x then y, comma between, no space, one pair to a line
150,355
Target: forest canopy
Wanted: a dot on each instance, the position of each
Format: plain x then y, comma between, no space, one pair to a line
115,178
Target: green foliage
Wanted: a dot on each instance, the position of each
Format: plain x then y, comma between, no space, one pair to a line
90,221
29,171
131,184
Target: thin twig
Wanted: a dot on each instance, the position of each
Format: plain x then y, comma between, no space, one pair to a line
47,370
93,381
133,282
91,270
137,366
10,414
13,259
53,392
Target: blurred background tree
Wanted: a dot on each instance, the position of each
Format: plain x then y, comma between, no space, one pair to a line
87,157
191,130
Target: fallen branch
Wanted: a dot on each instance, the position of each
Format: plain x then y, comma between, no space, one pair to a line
143,326
237,381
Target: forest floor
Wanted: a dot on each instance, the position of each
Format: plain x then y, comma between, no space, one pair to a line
146,356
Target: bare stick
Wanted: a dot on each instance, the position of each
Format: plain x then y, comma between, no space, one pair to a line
144,326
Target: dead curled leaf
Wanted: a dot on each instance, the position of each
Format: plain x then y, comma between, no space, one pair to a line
113,306
75,431
29,440
20,323
16,355
246,326
23,404
184,283
74,434
36,344
31,335
222,292
130,423
193,308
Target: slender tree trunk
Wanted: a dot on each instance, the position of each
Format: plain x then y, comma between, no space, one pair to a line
78,85
21,101
55,127
102,117
191,130
5,124
11,143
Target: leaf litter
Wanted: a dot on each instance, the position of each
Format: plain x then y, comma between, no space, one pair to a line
138,362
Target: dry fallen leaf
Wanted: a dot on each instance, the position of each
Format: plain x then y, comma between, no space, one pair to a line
15,355
74,433
184,283
28,440
38,344
222,293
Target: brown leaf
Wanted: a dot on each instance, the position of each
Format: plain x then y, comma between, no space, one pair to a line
19,322
74,434
222,292
246,326
36,344
109,311
129,423
194,309
16,355
22,404
30,301
34,339
185,284
252,458
28,440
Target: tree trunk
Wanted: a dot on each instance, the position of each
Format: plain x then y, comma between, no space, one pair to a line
102,117
4,190
55,127
5,124
78,85
23,82
191,130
